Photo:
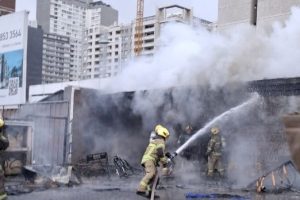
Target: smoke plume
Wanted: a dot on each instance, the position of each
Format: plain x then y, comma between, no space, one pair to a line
195,75
187,55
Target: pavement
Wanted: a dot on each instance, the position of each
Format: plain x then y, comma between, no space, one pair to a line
102,188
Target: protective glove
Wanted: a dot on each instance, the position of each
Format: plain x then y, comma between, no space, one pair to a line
168,155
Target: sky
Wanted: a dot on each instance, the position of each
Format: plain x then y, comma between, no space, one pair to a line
206,9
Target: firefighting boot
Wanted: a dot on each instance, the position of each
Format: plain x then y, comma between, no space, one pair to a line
143,194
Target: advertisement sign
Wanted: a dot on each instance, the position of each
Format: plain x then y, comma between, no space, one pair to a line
13,53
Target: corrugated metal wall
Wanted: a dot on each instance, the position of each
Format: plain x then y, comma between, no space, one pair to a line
50,129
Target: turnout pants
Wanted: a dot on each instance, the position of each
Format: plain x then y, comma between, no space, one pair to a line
2,189
147,180
214,162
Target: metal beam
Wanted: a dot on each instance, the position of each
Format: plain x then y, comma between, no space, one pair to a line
276,87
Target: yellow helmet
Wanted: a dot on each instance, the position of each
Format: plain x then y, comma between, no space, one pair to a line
1,122
214,130
162,131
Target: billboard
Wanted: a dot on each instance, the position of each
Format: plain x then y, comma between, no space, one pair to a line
13,53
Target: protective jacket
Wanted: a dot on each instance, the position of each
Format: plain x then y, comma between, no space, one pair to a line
155,152
215,146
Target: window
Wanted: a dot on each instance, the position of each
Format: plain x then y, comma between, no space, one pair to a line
149,26
149,33
149,41
149,48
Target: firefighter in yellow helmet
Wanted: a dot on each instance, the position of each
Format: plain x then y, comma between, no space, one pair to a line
3,146
214,152
153,156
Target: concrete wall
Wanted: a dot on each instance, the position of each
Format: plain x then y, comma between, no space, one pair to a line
261,13
234,12
270,11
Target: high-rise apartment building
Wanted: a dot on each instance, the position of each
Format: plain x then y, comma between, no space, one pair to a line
107,50
260,13
56,58
71,18
65,18
175,14
99,16
112,47
7,6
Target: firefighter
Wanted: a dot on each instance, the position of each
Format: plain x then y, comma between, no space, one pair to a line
184,136
3,146
214,152
153,156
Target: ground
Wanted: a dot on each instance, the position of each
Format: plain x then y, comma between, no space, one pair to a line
102,188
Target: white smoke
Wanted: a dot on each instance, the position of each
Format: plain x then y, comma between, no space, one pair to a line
194,56
282,55
189,56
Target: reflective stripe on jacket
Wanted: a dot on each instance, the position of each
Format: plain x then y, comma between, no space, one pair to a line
155,152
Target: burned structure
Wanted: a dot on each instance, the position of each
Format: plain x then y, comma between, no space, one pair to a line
281,99
62,129
100,122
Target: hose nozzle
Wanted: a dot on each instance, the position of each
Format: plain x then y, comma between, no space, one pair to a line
173,155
